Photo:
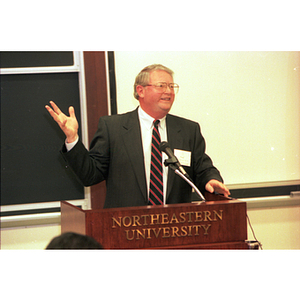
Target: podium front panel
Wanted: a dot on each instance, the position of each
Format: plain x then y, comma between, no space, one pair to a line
200,225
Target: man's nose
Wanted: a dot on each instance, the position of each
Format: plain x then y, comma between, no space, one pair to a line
168,90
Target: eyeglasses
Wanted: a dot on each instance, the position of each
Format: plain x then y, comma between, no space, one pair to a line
162,87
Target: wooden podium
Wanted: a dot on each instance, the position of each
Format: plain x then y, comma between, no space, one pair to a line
217,224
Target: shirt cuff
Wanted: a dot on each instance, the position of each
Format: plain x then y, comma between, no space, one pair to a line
69,146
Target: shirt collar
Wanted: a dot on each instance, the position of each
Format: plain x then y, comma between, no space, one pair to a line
147,121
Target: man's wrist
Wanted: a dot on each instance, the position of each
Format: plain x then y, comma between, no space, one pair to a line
69,146
72,139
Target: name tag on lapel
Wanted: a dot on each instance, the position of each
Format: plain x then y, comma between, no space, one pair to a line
183,156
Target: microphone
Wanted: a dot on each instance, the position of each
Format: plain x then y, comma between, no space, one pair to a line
165,147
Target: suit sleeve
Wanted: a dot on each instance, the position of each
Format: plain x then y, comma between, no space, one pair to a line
91,167
203,167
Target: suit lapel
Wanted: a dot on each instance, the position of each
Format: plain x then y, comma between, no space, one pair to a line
133,144
174,138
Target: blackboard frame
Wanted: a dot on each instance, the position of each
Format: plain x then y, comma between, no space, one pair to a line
75,71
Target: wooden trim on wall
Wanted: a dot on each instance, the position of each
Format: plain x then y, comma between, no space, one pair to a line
96,97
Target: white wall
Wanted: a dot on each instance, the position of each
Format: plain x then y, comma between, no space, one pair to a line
28,237
276,228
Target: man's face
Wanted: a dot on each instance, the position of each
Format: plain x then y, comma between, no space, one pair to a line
153,102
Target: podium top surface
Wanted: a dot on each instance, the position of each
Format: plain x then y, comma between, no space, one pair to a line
165,206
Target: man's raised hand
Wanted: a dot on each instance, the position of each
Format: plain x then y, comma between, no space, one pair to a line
68,125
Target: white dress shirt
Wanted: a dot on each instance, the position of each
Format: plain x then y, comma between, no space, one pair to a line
146,123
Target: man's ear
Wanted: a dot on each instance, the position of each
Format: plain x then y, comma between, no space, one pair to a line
140,90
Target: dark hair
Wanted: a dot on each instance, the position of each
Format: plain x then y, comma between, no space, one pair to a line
71,240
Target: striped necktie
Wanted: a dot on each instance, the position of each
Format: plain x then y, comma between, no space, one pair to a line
156,172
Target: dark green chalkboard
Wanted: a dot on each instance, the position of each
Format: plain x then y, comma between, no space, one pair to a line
32,169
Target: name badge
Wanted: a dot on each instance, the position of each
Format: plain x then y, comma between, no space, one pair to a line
183,156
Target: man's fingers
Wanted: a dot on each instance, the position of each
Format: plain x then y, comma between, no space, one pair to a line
55,108
51,112
216,186
72,112
56,114
209,188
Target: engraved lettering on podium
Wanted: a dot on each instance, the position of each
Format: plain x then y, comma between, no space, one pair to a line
183,224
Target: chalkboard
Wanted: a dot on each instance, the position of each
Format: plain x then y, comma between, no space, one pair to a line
21,59
32,169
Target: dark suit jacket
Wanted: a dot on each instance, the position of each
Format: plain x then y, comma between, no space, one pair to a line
116,155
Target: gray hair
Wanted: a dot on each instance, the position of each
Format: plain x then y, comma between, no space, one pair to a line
143,77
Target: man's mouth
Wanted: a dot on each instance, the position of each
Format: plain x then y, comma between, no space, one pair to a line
165,98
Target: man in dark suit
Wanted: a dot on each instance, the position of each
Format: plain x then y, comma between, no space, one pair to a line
120,151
